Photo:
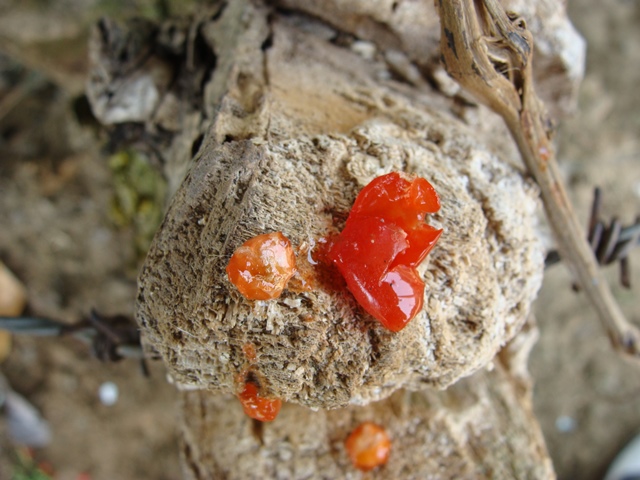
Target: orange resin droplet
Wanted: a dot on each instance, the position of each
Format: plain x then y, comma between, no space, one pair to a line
255,406
368,446
262,266
385,238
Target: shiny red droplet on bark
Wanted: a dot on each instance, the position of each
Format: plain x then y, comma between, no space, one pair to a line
255,406
385,238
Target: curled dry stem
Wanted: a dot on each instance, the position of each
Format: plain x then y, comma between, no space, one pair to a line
488,52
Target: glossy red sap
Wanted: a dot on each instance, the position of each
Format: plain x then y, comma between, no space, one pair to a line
384,240
255,406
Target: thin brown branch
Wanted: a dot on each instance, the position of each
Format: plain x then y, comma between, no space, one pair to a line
489,53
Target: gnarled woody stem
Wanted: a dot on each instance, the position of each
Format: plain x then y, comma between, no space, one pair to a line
489,53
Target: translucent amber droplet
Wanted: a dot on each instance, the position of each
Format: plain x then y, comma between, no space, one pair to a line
257,407
368,446
262,266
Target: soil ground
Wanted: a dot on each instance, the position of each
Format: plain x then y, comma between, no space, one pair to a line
586,397
57,236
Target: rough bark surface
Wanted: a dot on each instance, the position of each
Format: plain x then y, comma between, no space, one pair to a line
287,118
407,34
309,148
482,427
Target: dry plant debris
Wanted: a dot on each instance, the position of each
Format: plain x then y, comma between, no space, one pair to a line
489,53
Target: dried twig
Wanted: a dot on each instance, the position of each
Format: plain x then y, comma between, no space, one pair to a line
489,53
610,242
111,338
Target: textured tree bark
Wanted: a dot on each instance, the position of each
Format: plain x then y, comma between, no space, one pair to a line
482,427
301,127
280,116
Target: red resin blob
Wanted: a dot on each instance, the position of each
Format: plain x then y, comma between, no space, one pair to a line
368,446
384,240
255,406
262,266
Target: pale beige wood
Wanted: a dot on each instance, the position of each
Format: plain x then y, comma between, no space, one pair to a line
295,118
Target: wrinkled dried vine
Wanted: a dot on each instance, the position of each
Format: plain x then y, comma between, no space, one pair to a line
488,52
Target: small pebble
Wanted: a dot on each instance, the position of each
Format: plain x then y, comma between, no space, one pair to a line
108,393
565,424
366,50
